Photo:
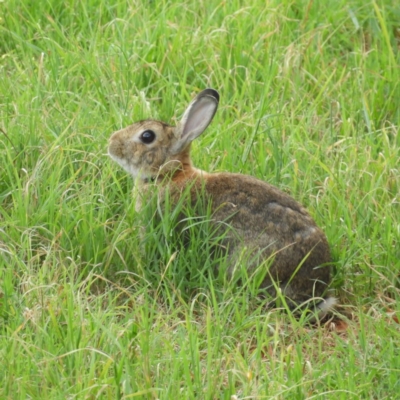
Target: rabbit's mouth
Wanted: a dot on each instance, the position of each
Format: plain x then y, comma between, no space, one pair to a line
130,168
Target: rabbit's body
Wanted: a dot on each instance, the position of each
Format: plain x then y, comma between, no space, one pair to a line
273,229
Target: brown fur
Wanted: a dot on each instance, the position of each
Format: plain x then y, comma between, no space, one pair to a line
265,221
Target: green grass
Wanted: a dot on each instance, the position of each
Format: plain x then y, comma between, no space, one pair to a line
309,102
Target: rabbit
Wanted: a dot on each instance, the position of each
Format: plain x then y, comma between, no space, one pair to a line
266,221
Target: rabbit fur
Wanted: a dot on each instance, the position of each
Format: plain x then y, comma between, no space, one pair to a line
266,222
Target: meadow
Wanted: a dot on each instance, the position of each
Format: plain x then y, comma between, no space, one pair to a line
310,102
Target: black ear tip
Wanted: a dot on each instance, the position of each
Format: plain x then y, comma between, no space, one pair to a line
210,92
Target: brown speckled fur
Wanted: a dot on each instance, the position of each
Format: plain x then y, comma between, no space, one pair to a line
265,220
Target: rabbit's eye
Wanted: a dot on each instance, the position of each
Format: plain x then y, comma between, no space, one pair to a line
147,137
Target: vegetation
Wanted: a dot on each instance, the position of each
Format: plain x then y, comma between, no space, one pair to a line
309,102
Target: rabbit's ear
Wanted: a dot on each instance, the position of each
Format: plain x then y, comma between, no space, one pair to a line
198,115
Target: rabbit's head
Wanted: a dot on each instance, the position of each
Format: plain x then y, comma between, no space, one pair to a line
150,149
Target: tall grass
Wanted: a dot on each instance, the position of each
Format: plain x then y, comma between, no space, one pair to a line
309,102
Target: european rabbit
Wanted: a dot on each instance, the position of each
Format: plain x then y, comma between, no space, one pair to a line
266,222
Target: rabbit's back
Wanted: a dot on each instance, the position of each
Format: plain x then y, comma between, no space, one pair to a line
272,224
258,206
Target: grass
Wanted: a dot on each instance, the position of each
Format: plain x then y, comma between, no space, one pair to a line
309,102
